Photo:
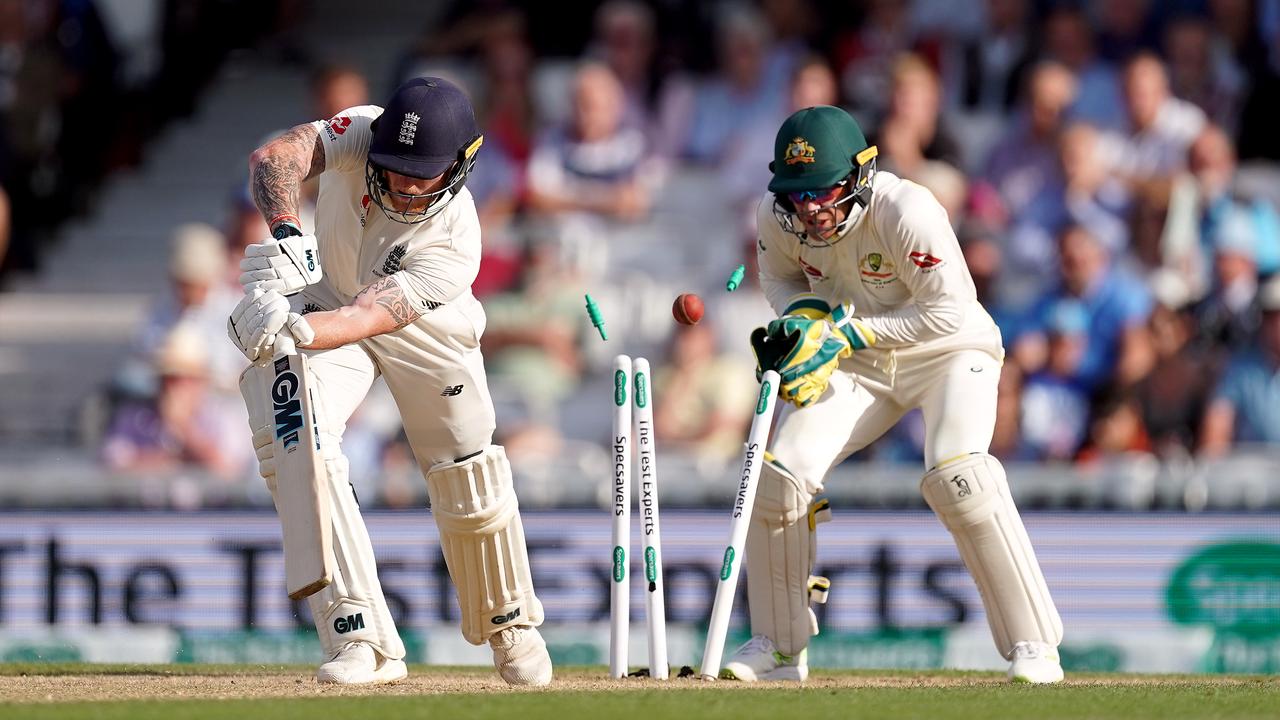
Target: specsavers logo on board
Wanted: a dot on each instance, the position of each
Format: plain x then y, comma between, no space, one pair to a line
1232,588
876,270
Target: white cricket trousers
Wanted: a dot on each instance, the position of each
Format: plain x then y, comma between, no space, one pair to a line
956,392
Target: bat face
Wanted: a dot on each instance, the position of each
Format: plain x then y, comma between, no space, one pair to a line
302,484
288,408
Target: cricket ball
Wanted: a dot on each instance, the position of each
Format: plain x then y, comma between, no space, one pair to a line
687,309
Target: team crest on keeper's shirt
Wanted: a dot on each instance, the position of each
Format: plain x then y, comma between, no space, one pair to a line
876,271
799,151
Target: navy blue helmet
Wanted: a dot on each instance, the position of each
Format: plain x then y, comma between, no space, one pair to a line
428,129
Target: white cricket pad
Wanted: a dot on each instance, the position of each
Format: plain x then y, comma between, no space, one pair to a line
353,606
780,552
474,503
971,497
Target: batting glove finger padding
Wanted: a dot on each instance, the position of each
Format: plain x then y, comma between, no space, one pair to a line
286,265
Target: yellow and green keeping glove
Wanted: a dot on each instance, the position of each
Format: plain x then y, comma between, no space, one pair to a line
806,345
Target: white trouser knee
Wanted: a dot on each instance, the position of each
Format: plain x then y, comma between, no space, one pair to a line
971,496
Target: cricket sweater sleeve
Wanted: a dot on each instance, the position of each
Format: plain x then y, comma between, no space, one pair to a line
444,268
781,277
912,222
346,137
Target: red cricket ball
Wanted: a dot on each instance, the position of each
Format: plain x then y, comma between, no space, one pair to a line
687,309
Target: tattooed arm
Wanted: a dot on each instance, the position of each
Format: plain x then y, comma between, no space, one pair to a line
379,308
277,170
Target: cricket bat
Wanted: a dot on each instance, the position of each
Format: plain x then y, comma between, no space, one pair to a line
302,493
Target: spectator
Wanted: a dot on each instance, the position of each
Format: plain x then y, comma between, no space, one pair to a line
741,93
1069,39
335,88
625,42
702,403
992,65
1229,317
1116,430
1173,396
596,164
1055,398
865,56
982,254
913,131
183,424
498,182
531,340
1246,402
746,169
1160,127
792,23
1124,27
200,299
1082,194
1116,304
1212,162
947,184
1202,70
1025,162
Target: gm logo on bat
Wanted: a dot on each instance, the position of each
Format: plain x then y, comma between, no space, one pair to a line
288,409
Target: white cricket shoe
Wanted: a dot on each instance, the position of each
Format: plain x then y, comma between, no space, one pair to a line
759,659
357,663
520,655
1036,663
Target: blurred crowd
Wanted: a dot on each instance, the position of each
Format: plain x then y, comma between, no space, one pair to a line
1110,168
84,84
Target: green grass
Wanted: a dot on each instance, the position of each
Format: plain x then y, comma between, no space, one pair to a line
1084,696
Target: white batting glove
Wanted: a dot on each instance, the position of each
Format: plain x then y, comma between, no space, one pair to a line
286,265
259,318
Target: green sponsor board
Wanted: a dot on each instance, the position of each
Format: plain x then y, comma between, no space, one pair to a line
1234,589
54,651
297,647
650,564
642,390
1098,657
913,648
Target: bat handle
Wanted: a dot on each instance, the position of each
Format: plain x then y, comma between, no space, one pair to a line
285,344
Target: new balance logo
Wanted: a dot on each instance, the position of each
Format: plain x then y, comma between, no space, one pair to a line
451,391
504,619
344,625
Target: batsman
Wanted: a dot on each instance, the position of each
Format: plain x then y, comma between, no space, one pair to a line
877,315
382,287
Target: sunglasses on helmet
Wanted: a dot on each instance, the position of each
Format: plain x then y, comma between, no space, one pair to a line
823,197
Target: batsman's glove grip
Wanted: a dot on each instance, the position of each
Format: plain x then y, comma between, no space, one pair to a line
286,264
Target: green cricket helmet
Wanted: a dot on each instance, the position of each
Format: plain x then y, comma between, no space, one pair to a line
818,149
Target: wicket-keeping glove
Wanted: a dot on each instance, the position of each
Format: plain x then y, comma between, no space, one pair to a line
803,351
806,345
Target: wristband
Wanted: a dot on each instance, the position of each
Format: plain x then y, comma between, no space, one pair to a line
283,226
